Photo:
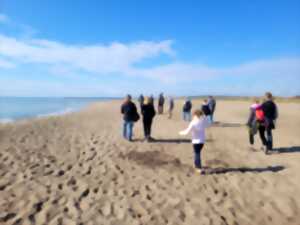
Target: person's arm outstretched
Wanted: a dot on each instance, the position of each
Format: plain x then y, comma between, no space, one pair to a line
187,130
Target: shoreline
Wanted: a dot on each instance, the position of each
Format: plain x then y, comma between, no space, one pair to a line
59,113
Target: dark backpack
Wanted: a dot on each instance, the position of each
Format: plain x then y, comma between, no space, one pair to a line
136,117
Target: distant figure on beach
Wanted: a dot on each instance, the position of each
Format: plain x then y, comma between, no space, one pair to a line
148,113
186,110
130,115
270,114
253,122
151,100
197,127
212,106
171,107
141,101
206,110
161,102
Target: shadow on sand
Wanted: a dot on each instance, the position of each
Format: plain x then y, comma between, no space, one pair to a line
174,140
273,169
152,159
221,124
293,149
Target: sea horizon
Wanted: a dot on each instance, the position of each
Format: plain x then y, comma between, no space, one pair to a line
18,108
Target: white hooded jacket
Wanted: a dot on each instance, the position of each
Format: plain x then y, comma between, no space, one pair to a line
197,128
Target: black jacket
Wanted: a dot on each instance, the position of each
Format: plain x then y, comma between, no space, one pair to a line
148,112
270,110
206,110
129,111
161,100
187,107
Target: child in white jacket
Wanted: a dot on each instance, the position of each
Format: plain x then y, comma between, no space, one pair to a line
197,128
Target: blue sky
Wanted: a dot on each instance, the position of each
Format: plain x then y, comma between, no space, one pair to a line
110,48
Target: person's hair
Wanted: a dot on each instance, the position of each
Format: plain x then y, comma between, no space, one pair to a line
269,95
205,100
128,97
146,100
198,113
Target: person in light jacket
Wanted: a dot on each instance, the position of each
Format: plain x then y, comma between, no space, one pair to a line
197,127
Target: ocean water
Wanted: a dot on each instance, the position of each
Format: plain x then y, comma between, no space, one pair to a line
18,108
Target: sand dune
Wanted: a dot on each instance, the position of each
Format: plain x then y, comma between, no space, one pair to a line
76,169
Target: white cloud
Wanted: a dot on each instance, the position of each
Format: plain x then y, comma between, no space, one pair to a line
115,57
269,67
121,58
3,18
178,72
6,64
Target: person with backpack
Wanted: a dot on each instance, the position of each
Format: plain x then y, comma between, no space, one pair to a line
130,116
186,110
197,127
148,113
252,122
269,114
161,102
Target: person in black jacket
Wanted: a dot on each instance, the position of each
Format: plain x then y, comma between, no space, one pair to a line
130,115
148,113
141,101
212,106
270,115
161,102
205,109
186,110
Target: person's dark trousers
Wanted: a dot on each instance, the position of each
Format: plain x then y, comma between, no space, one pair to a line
212,116
267,141
251,138
160,109
147,127
197,155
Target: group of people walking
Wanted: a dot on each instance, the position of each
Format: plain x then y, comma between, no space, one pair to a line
262,118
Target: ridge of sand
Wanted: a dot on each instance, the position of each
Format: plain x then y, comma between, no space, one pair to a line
76,169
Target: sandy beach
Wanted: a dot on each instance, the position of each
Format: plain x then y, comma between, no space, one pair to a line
77,169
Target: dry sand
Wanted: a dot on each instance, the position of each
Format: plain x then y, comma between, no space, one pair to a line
76,169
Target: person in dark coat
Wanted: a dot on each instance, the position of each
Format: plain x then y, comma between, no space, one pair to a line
151,100
161,102
171,107
270,112
130,115
186,110
205,108
212,106
148,113
141,101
